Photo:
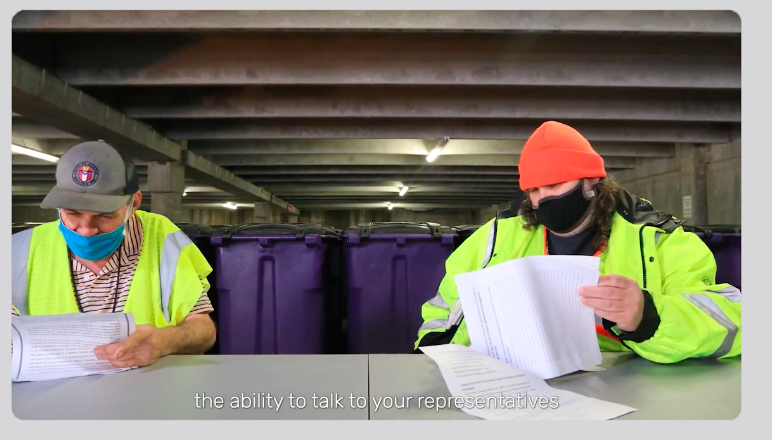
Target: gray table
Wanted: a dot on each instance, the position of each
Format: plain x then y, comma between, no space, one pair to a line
690,390
167,389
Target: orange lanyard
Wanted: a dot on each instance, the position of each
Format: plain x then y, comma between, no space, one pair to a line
602,331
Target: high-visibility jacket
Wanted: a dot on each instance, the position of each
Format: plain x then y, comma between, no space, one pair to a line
686,314
166,285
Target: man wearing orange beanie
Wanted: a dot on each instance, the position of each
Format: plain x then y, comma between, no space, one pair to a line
656,295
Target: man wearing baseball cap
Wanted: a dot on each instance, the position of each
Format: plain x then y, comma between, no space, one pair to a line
656,295
104,255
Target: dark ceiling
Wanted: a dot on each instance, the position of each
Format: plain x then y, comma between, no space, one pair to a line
338,110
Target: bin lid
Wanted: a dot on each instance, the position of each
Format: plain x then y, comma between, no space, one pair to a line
198,229
710,229
21,226
281,229
465,228
399,228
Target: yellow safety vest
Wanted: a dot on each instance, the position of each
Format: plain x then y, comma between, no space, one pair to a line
165,287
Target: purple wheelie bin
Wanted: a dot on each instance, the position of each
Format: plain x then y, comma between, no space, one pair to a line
274,283
724,241
201,236
391,270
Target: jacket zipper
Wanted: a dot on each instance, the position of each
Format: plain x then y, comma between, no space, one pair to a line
643,264
643,256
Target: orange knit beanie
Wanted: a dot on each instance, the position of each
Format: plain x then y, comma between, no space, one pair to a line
556,153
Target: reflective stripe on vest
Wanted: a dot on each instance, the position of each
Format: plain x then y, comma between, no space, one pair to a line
19,256
20,243
710,308
172,249
457,314
491,244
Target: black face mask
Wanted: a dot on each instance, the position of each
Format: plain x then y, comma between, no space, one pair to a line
564,212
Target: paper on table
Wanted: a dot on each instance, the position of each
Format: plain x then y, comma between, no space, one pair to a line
527,313
59,346
493,390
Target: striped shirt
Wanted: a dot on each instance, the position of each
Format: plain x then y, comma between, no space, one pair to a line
99,293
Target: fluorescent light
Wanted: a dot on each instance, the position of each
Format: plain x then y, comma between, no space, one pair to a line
437,150
184,193
403,191
230,205
34,153
391,206
433,155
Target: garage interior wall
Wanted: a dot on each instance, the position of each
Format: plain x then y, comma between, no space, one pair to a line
665,182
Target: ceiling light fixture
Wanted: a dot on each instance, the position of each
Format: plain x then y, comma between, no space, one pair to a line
437,150
391,206
403,191
230,205
33,153
433,155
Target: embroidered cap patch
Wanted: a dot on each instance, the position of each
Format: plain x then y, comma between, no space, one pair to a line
85,174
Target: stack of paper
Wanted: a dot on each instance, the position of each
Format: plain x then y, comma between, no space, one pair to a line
61,346
491,389
527,312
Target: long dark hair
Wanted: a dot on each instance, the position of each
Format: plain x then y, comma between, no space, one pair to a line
603,207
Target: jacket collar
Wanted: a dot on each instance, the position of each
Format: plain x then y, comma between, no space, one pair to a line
639,211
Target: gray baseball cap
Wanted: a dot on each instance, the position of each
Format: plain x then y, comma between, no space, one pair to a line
93,176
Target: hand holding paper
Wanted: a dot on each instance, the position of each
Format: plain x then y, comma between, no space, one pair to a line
142,348
616,298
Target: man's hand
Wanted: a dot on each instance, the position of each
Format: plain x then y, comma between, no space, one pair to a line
194,335
615,298
142,348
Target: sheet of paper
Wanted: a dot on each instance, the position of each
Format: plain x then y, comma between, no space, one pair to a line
61,346
527,312
493,390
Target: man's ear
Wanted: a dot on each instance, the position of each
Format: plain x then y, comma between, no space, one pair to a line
137,201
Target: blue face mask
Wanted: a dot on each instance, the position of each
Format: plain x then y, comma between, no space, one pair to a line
96,247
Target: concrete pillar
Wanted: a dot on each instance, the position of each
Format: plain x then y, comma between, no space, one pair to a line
487,213
700,185
316,216
166,182
474,217
266,212
692,164
292,218
263,213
